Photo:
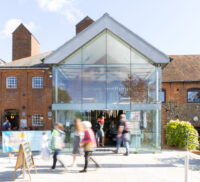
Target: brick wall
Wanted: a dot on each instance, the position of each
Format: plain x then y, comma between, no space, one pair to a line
35,100
176,105
83,24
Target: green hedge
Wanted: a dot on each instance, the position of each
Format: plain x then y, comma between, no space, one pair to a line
176,134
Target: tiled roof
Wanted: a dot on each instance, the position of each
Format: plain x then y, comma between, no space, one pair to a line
33,61
182,68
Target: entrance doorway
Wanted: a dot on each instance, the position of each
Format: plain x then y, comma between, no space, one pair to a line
13,117
111,122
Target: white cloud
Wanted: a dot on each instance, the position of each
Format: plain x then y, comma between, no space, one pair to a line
12,24
64,7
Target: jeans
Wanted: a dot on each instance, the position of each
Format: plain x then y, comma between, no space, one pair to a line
55,158
87,158
126,143
99,134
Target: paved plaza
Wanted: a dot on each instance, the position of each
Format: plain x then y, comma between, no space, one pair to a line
167,166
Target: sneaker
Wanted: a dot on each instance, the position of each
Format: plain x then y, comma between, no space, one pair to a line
126,154
98,166
115,152
83,171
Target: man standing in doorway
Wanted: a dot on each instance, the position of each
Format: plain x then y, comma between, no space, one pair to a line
6,126
123,134
100,132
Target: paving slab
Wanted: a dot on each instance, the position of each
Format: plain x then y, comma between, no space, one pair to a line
167,166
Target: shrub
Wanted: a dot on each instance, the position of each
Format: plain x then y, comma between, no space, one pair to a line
176,134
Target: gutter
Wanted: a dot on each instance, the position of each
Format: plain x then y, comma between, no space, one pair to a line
181,81
21,67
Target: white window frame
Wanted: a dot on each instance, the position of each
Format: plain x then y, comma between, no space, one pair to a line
11,82
37,82
37,120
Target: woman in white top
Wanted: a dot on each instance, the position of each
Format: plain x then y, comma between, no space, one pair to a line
45,147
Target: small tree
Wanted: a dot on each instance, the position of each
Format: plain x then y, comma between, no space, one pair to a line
176,134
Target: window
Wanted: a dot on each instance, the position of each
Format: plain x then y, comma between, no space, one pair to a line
163,96
193,95
37,82
11,82
37,120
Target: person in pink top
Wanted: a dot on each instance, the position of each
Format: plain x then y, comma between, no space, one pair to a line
89,143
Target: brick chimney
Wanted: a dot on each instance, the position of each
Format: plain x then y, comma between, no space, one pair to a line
24,44
83,24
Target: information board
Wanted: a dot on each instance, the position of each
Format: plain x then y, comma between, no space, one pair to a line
12,139
24,159
28,155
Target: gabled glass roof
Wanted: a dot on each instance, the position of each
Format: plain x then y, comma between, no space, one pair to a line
106,48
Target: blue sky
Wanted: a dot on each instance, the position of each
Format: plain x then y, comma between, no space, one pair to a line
173,26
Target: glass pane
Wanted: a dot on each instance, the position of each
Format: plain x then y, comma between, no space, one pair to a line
194,96
118,87
95,51
144,135
137,58
75,58
69,84
118,52
163,96
143,83
67,119
94,87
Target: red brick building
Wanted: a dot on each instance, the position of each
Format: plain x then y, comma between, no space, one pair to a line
181,91
26,84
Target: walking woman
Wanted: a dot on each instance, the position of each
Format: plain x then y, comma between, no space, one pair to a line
57,144
79,133
88,143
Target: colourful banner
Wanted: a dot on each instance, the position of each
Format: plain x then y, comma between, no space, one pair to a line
12,139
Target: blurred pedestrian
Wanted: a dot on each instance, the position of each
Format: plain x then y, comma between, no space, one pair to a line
45,153
88,143
112,132
57,144
100,132
6,126
79,133
123,134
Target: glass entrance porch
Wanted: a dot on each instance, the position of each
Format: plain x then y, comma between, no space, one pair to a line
143,135
107,74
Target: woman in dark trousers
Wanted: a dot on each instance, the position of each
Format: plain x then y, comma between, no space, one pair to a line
88,143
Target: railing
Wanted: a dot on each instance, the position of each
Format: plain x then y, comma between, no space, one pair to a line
187,154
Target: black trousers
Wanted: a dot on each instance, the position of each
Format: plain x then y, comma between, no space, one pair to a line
87,158
55,158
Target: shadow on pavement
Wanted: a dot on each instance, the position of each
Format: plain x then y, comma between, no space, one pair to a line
194,164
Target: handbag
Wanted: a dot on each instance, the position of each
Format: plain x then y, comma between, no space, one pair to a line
126,137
